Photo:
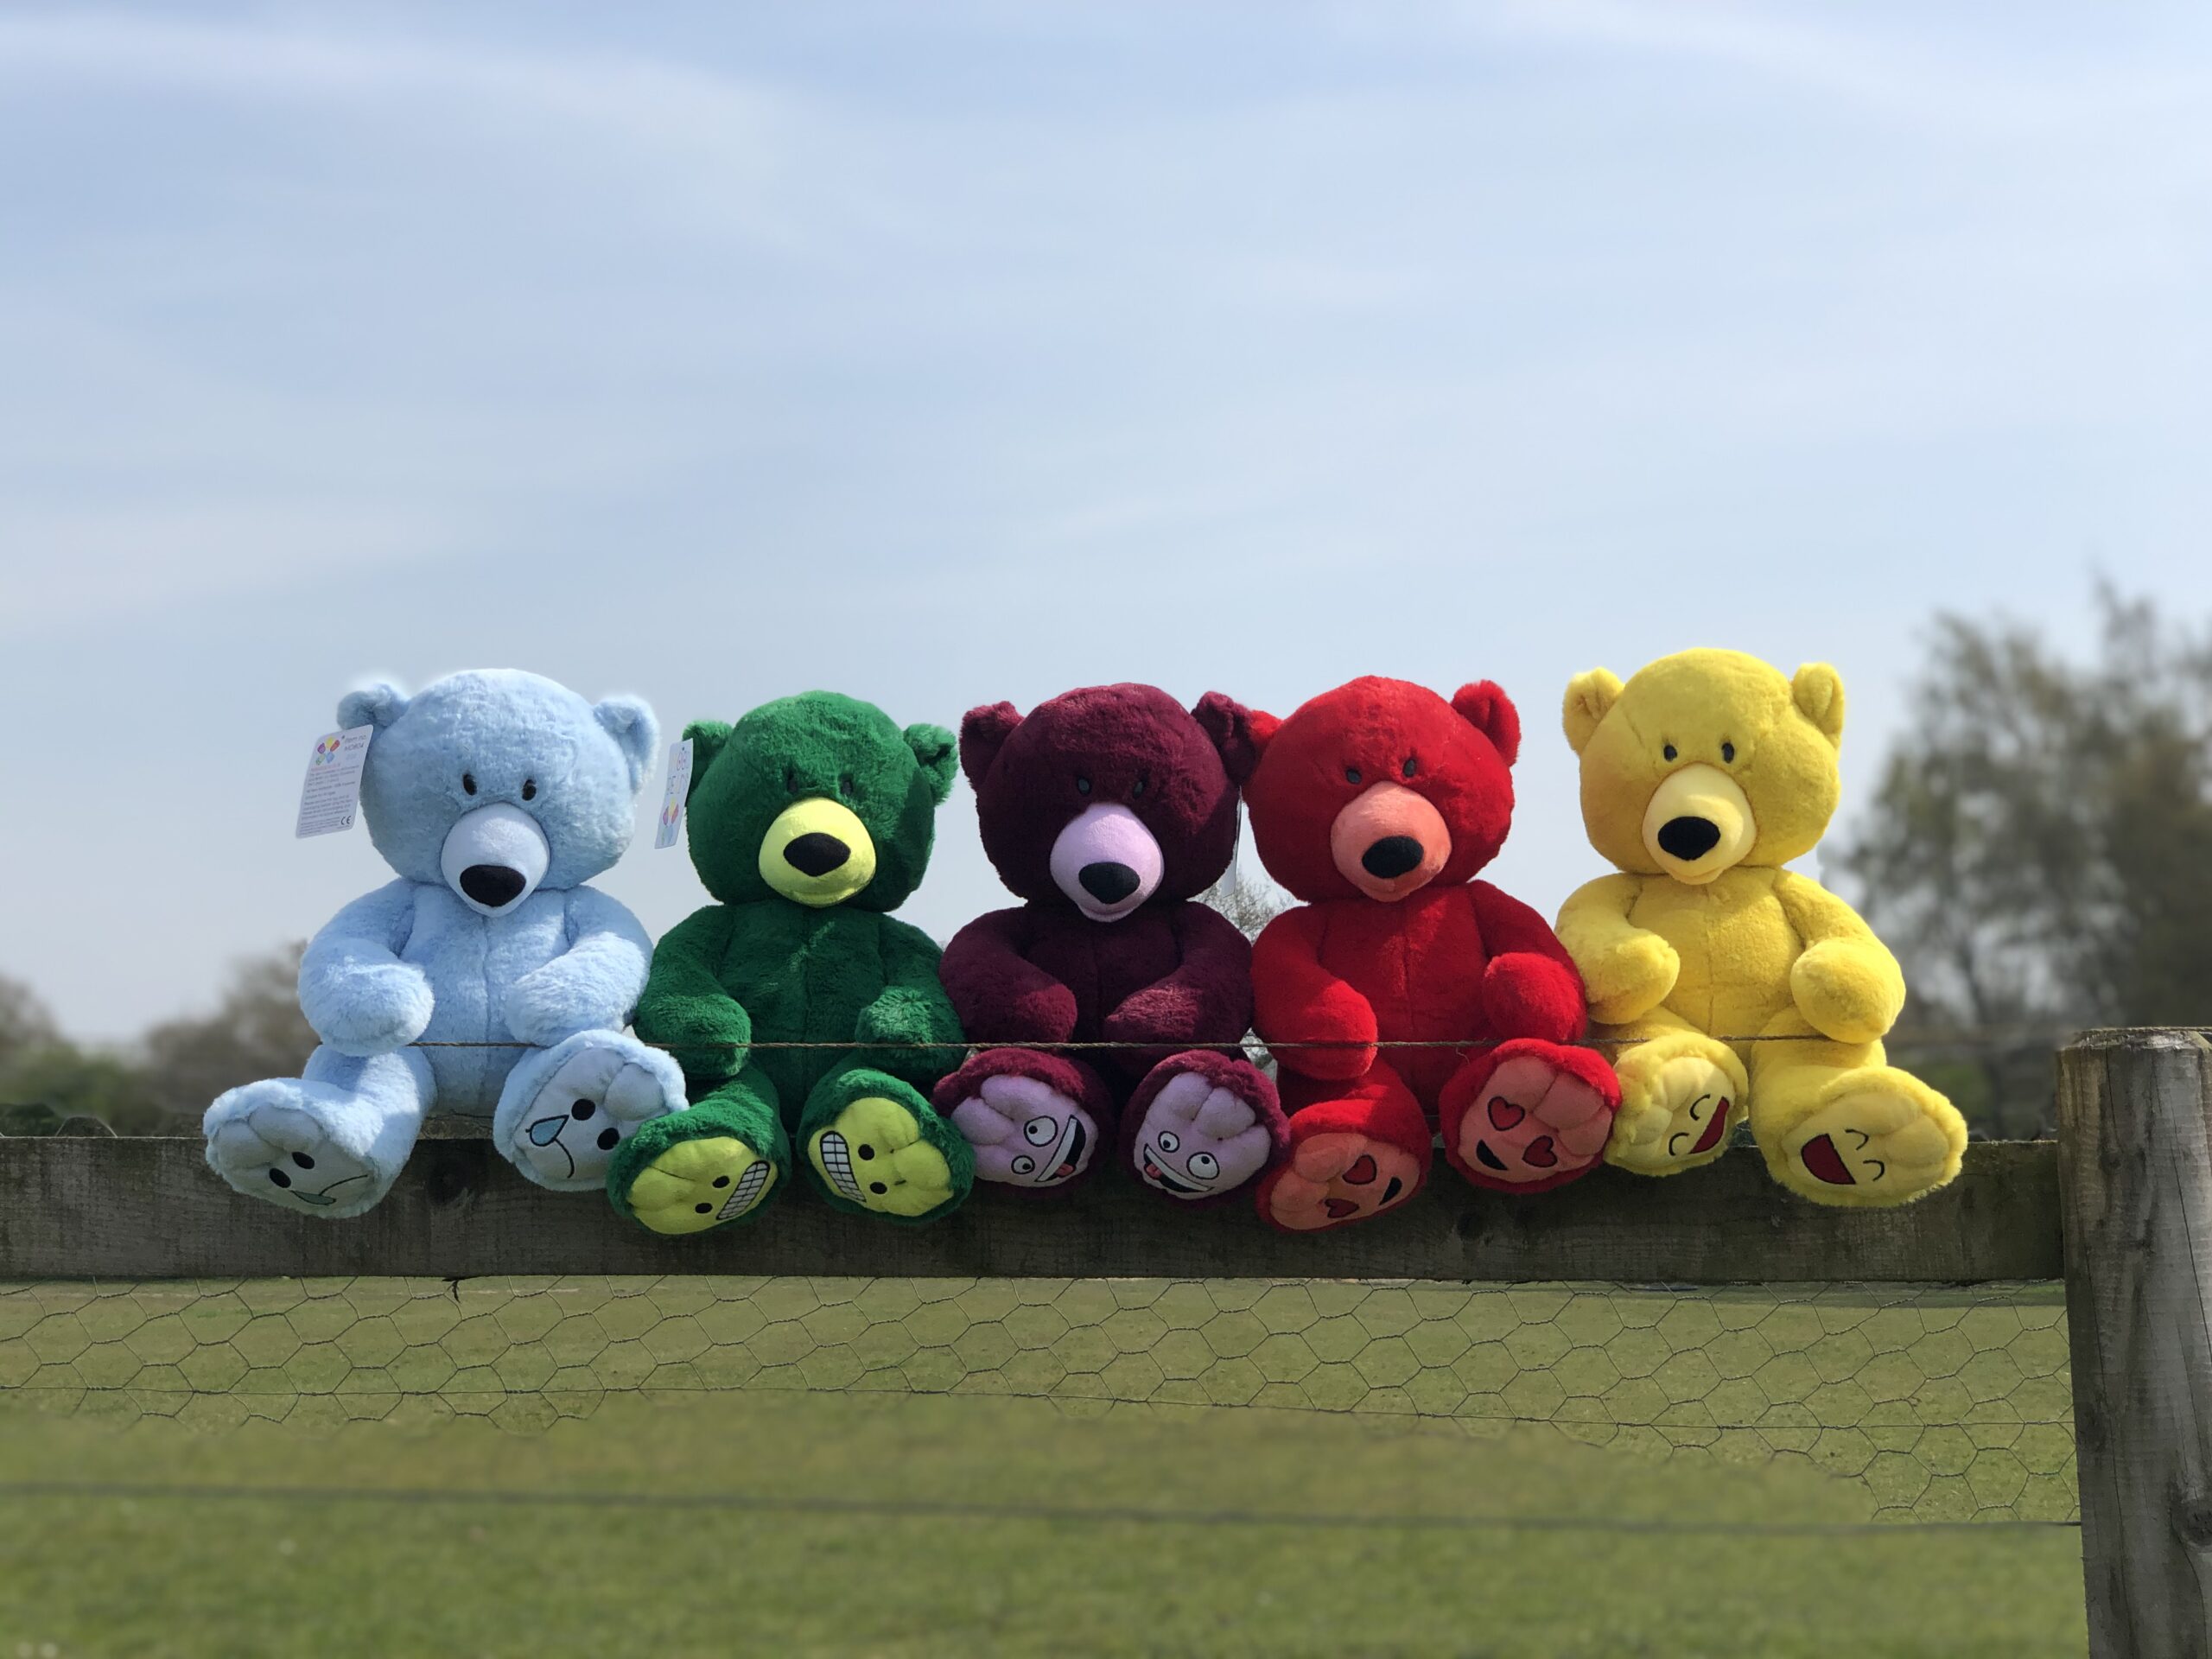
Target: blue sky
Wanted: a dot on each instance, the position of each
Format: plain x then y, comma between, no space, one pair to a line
975,350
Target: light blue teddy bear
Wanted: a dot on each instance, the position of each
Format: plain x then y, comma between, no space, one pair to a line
496,795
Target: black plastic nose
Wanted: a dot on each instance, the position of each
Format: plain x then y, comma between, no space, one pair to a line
815,853
493,886
1392,857
1688,839
1108,883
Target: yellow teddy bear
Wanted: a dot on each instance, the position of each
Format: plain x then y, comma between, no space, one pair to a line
1701,777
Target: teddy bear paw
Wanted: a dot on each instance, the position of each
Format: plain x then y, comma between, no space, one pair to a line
1198,1139
1678,1111
877,1155
1877,1137
1335,1178
566,1112
699,1183
1026,1133
267,1141
1531,1124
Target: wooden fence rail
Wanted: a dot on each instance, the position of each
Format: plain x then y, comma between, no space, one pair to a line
150,1209
2132,1175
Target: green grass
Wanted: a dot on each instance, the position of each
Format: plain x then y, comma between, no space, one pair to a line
455,1537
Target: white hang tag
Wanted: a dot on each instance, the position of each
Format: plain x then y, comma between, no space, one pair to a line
679,785
330,796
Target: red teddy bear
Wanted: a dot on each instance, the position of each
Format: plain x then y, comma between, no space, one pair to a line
1376,803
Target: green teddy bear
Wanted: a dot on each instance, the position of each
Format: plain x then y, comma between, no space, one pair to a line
811,819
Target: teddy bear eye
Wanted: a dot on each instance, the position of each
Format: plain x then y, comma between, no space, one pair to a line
1667,752
1081,785
1351,774
791,780
847,787
468,783
1727,750
1410,768
1136,789
529,789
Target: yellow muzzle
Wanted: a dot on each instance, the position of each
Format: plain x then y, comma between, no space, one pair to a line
1698,823
817,852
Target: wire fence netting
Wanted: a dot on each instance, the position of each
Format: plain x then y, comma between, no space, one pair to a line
1943,1403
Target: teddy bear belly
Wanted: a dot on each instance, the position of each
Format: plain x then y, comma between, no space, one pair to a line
1736,946
1103,964
472,961
1419,965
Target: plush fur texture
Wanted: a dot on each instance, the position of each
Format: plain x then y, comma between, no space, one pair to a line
1700,777
808,819
1109,809
1376,804
496,795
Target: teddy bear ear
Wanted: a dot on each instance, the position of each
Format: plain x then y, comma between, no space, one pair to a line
379,706
933,747
1228,724
630,722
1490,712
1589,698
1817,690
1261,727
706,738
983,730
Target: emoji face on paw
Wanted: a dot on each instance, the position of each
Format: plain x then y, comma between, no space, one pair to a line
1676,1113
1198,1140
1339,1177
701,1183
1533,1123
1880,1136
1026,1133
874,1155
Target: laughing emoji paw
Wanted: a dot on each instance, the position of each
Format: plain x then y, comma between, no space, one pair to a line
1879,1136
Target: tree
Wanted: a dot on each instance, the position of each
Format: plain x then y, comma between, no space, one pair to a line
163,1083
2039,851
257,1031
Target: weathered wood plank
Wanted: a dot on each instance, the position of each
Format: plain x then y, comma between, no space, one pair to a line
149,1209
2135,1129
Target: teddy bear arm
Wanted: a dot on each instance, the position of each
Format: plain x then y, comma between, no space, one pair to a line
910,1027
1845,982
1626,970
1530,988
594,985
999,995
685,1006
356,992
1297,999
1207,999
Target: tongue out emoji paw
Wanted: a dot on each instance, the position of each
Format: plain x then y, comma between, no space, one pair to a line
1530,1124
1026,1133
874,1155
1338,1177
1682,1098
1198,1140
1879,1136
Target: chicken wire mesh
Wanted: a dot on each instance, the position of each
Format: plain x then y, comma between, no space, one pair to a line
1944,1403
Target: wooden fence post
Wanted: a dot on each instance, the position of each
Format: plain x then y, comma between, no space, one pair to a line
2135,1180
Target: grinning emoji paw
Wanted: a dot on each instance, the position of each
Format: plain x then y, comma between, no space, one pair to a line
874,1155
701,1183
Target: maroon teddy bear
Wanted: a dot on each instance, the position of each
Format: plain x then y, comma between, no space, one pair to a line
1108,809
